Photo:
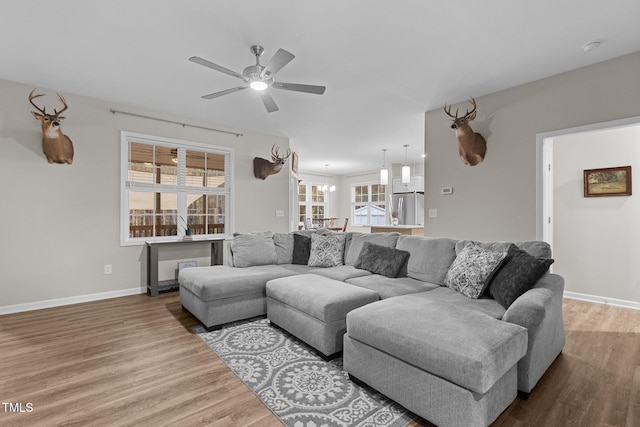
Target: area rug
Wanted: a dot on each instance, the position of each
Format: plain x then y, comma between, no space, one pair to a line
299,387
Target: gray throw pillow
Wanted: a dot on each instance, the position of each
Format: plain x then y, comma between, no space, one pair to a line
326,251
519,273
253,249
284,247
473,269
382,260
301,249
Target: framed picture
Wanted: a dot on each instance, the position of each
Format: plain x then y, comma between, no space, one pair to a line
294,163
607,182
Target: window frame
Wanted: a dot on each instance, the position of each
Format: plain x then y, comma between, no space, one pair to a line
180,189
309,203
369,203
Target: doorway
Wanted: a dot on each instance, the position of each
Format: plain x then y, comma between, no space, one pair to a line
593,239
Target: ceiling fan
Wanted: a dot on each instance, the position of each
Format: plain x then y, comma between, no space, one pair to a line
260,77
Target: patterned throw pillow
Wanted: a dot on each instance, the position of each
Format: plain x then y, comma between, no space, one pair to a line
327,250
473,269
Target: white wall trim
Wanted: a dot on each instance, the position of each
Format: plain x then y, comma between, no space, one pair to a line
603,300
38,305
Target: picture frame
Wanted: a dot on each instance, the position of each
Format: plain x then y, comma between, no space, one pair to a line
294,162
604,182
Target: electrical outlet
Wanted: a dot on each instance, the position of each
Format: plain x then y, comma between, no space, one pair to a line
279,213
433,213
108,269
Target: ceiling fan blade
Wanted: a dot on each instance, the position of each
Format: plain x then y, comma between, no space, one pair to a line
268,101
318,90
279,60
213,66
223,92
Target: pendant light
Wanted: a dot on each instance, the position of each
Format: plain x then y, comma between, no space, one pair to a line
406,169
384,172
326,187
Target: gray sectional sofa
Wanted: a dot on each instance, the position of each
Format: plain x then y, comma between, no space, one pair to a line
450,329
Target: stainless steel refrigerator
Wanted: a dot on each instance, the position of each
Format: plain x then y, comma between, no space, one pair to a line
412,208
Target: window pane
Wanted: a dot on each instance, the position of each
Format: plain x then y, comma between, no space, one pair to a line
302,193
362,193
317,195
317,212
205,214
195,173
215,170
378,215
302,213
377,193
166,214
152,214
141,162
360,214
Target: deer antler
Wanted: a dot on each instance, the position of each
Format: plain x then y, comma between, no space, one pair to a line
32,97
473,102
275,155
448,111
64,102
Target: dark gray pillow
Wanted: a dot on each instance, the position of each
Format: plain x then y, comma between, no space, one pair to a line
381,259
301,249
517,275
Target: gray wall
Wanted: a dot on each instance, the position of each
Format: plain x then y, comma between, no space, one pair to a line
61,223
496,200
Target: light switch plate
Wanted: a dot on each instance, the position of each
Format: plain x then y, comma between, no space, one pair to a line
433,213
446,191
279,213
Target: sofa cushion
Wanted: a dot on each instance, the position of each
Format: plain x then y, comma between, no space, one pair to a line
340,272
520,273
387,287
484,304
253,249
536,248
429,259
301,249
326,250
357,240
320,297
221,281
473,269
283,243
381,259
465,347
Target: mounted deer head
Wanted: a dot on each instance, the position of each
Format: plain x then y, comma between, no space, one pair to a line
263,168
471,145
57,146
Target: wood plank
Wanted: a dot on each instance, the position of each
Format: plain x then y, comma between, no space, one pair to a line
135,361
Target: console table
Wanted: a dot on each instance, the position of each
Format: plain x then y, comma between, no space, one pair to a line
155,286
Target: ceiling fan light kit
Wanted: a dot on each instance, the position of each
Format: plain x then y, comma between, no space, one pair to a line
260,77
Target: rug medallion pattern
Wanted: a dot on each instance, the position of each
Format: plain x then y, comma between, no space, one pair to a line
300,388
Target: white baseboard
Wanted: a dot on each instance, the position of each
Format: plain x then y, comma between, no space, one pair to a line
603,300
38,305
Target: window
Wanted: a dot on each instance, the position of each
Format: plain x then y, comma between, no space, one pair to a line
312,202
368,204
168,185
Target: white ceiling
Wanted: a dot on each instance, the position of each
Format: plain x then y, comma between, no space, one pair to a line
384,62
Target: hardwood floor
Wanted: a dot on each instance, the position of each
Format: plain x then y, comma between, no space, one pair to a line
135,361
